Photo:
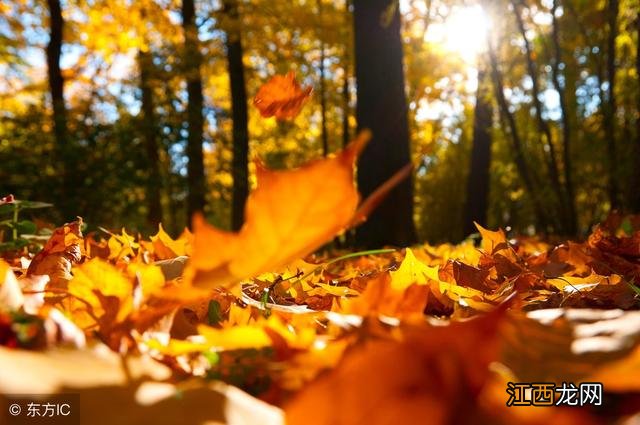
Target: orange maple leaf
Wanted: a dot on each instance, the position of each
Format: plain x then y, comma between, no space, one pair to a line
281,97
62,250
289,215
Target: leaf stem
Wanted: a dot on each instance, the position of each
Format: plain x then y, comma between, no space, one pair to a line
14,230
346,257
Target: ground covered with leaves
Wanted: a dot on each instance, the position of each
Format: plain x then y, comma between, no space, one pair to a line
252,327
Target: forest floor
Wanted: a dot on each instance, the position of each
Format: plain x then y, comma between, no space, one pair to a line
250,327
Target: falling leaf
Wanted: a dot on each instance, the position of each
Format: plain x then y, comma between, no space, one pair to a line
289,214
281,97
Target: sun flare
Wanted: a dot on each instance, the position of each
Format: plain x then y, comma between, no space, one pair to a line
464,32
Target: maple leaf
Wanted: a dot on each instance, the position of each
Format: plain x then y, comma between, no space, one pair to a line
166,248
122,246
62,250
426,373
281,97
117,303
290,214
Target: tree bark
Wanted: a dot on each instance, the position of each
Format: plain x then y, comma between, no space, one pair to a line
346,134
56,89
323,89
545,131
382,108
478,181
150,137
566,123
636,182
195,120
240,165
609,107
519,155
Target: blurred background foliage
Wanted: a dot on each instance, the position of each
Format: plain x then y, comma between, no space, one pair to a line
566,70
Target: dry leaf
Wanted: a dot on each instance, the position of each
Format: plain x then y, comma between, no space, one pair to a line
62,250
281,97
290,214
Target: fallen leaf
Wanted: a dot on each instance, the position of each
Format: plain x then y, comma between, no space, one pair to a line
427,372
166,248
60,253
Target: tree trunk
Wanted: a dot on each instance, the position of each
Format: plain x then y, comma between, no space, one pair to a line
346,134
195,120
382,108
519,155
543,127
636,180
609,107
56,88
150,137
240,166
478,181
323,90
566,123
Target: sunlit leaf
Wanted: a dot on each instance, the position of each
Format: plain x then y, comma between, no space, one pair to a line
288,215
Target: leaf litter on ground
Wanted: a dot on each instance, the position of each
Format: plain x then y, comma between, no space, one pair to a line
254,327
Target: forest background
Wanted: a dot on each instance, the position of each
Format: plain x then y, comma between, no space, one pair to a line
515,113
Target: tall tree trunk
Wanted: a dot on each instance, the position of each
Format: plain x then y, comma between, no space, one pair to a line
56,88
636,180
346,134
609,107
346,97
240,166
519,154
635,184
323,89
478,182
150,137
195,120
382,108
543,126
566,123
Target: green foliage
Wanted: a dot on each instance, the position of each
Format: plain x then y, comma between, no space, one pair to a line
23,233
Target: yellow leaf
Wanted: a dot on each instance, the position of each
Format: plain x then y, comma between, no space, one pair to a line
99,277
166,248
150,277
121,246
412,271
235,338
